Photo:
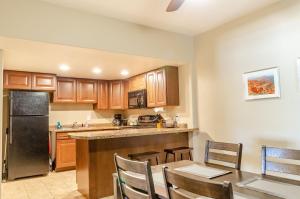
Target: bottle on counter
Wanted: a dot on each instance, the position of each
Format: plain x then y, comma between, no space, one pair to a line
58,125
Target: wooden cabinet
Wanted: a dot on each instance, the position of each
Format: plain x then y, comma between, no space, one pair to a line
160,89
163,87
125,93
151,88
65,91
137,83
102,102
43,82
86,91
16,80
116,94
65,152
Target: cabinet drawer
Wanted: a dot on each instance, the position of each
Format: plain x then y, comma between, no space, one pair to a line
62,136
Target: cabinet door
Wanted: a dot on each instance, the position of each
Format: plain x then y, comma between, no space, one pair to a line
160,96
86,91
125,95
65,153
17,80
151,76
116,94
65,91
43,82
137,83
102,102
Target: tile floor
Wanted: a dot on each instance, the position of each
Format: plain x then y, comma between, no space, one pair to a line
61,185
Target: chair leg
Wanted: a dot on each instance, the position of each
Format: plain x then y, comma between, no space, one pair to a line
181,156
175,157
157,160
166,160
191,157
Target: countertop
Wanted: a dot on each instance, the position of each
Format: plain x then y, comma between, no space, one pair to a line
106,134
90,128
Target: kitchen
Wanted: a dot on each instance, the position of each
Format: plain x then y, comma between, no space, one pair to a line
79,104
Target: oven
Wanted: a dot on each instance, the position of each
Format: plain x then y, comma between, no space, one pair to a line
137,99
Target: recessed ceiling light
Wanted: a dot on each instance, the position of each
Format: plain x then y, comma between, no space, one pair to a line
64,67
97,70
124,72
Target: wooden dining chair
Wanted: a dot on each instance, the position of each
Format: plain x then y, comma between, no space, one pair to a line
213,152
182,187
272,160
134,179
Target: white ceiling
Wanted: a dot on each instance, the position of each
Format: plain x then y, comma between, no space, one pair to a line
195,16
34,56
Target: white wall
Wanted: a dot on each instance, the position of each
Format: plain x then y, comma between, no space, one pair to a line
264,39
1,106
41,21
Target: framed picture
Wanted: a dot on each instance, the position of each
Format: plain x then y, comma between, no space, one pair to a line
262,84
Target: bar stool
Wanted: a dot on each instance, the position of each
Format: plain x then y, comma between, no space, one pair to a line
178,151
149,155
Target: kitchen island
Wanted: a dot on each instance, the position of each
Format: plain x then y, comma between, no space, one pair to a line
95,150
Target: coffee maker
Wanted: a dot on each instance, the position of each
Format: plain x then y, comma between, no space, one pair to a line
117,121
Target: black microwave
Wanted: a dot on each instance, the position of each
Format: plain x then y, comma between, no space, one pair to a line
137,99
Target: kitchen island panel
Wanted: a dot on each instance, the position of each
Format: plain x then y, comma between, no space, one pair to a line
95,164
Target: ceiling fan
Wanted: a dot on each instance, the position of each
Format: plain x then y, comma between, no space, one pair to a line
174,5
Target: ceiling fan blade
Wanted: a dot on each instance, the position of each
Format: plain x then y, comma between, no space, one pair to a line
174,5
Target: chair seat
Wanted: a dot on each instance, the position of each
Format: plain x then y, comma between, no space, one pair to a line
152,156
144,154
178,149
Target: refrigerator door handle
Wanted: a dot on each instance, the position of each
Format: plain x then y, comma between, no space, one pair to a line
10,133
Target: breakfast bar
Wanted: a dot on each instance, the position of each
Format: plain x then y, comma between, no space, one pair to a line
95,150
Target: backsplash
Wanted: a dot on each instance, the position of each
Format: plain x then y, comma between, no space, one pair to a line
69,113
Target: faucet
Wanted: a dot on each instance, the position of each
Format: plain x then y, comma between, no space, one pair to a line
75,125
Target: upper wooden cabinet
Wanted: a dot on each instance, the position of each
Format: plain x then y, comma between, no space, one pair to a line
125,93
151,88
29,81
44,82
163,87
65,91
116,94
137,83
102,102
16,80
86,91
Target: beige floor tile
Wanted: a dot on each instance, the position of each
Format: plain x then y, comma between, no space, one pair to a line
60,185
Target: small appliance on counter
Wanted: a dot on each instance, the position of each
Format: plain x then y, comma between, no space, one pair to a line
119,121
149,121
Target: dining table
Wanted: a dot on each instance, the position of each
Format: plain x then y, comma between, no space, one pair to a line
234,176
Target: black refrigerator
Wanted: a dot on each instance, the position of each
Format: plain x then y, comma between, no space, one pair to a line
27,134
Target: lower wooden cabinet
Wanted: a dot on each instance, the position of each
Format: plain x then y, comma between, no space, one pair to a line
65,154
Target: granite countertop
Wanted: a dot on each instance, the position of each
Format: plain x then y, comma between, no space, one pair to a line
90,128
106,134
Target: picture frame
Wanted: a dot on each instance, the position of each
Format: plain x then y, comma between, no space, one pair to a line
261,84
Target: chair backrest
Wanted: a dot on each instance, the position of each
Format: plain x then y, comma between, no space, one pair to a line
134,178
271,160
177,187
216,154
